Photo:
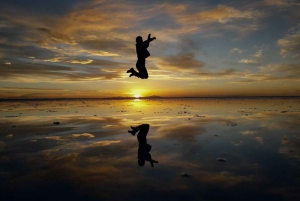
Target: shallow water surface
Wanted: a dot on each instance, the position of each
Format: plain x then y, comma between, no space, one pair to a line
207,149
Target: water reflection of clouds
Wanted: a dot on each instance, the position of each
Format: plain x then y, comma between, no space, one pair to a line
183,131
290,146
249,132
92,155
277,120
91,169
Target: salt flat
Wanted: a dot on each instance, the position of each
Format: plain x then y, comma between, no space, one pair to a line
207,149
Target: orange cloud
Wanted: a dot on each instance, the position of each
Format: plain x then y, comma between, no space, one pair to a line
221,14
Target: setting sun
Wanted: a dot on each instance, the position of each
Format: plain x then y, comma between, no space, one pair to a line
137,93
137,96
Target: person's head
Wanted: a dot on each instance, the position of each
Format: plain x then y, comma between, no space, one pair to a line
139,39
141,162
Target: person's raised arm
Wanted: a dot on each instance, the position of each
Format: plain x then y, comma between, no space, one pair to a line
153,161
150,39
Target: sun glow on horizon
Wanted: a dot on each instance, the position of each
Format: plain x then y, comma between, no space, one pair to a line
137,96
137,93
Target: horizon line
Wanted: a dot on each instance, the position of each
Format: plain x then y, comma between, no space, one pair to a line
151,97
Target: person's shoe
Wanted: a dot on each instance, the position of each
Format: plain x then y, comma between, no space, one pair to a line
132,132
130,70
131,75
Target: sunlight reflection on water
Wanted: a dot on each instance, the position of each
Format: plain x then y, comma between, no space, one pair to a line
207,149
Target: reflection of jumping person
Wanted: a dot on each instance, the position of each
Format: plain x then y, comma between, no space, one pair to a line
144,148
142,54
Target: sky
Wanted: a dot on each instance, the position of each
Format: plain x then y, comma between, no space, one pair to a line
82,49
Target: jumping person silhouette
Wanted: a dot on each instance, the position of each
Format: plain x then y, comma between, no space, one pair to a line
142,54
144,147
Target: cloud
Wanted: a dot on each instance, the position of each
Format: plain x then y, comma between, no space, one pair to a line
184,65
108,46
290,44
219,74
56,36
55,45
273,73
221,14
236,50
258,54
257,57
291,151
98,16
259,139
83,135
94,40
248,132
105,143
33,89
204,21
104,53
55,70
56,138
30,46
176,131
281,3
244,81
181,62
248,61
53,60
225,179
88,61
290,69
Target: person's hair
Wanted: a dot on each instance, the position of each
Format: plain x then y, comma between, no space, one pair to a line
141,162
139,39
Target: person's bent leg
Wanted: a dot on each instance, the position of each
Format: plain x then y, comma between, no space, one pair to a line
140,65
133,72
144,74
